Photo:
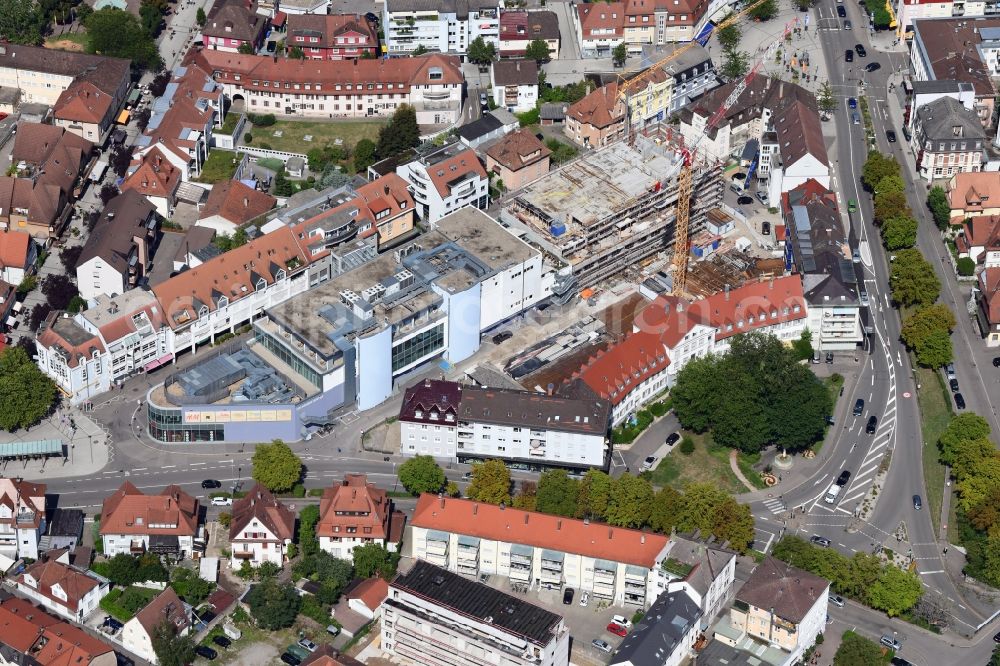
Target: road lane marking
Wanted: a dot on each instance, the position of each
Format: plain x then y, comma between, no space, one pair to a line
927,573
168,466
193,464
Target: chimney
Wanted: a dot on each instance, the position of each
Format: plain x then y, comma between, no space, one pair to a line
386,188
726,290
246,202
586,521
771,286
550,389
441,499
642,538
502,507
475,509
558,525
611,532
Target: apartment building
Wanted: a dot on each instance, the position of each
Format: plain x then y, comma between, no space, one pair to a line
972,195
137,635
515,84
32,636
948,139
433,616
470,424
118,252
635,23
234,24
704,571
598,119
22,517
665,635
447,26
65,590
354,513
443,180
520,28
518,159
361,88
988,304
780,606
613,564
600,27
331,36
84,90
817,247
133,522
260,530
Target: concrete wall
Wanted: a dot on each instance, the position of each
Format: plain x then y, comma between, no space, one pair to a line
374,382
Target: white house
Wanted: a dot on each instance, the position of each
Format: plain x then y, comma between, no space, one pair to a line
22,517
118,251
354,513
63,589
515,84
614,565
366,598
18,254
705,572
132,522
468,423
444,180
260,529
137,634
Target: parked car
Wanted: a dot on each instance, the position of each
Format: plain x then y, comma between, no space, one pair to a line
744,200
222,501
603,646
959,401
617,629
890,642
648,463
861,50
584,599
852,103
829,358
673,438
855,118
222,642
872,67
622,620
841,12
890,136
211,483
484,100
765,228
290,659
206,652
949,371
953,383
847,24
307,644
856,256
852,206
872,425
820,541
502,337
918,504
568,596
844,477
848,55
113,625
996,361
864,297
996,638
761,197
332,629
836,600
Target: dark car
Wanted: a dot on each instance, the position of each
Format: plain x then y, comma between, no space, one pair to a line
860,51
859,407
852,103
843,478
996,638
872,425
820,541
841,12
765,228
222,642
112,624
890,136
917,502
953,383
848,55
872,66
211,483
829,358
206,652
996,362
568,596
290,659
959,401
502,337
744,200
673,438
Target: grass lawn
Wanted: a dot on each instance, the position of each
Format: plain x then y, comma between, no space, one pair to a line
220,165
123,604
835,383
294,131
935,413
707,464
70,41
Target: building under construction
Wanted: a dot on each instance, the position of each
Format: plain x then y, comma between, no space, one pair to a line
612,209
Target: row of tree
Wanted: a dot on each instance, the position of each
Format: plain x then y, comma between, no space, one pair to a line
975,464
26,393
756,394
862,577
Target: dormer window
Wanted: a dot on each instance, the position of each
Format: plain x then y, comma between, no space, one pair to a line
203,311
418,414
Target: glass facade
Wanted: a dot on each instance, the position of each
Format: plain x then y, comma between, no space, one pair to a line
166,425
280,350
417,347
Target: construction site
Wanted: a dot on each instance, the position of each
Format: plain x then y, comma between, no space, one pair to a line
612,212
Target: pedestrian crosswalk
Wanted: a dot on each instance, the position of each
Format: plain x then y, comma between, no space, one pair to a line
775,506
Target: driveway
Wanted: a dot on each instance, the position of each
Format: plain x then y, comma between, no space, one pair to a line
648,443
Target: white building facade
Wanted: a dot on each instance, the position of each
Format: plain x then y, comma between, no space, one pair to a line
446,180
449,27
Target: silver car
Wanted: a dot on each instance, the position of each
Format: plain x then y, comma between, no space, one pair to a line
603,646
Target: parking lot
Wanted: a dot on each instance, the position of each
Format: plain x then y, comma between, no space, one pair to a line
585,622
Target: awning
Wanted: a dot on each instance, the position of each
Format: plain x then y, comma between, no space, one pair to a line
43,447
18,306
123,117
11,321
152,365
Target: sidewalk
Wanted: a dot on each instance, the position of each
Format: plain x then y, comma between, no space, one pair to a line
86,446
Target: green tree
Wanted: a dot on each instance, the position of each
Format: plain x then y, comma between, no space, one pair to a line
308,518
735,63
83,10
490,483
171,649
857,650
995,659
665,511
619,54
373,559
937,203
420,50
364,155
420,474
927,331
481,52
630,501
799,420
246,48
881,17
694,395
113,32
802,347
963,427
26,395
557,493
121,569
200,17
699,503
19,22
538,50
296,53
899,233
593,495
912,279
400,134
966,267
896,591
733,522
826,99
765,11
892,183
970,458
877,167
273,605
730,36
977,482
890,204
526,498
276,467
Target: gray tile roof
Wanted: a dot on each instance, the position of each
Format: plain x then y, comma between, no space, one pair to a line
940,118
661,631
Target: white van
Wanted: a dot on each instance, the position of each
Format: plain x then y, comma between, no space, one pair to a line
832,494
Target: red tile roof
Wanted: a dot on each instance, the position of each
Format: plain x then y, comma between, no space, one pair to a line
358,505
371,592
62,332
166,606
46,575
153,175
234,19
259,504
18,493
613,373
453,169
601,108
14,246
972,192
84,102
63,644
129,511
327,28
488,521
236,202
989,285
982,231
602,16
19,624
518,150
